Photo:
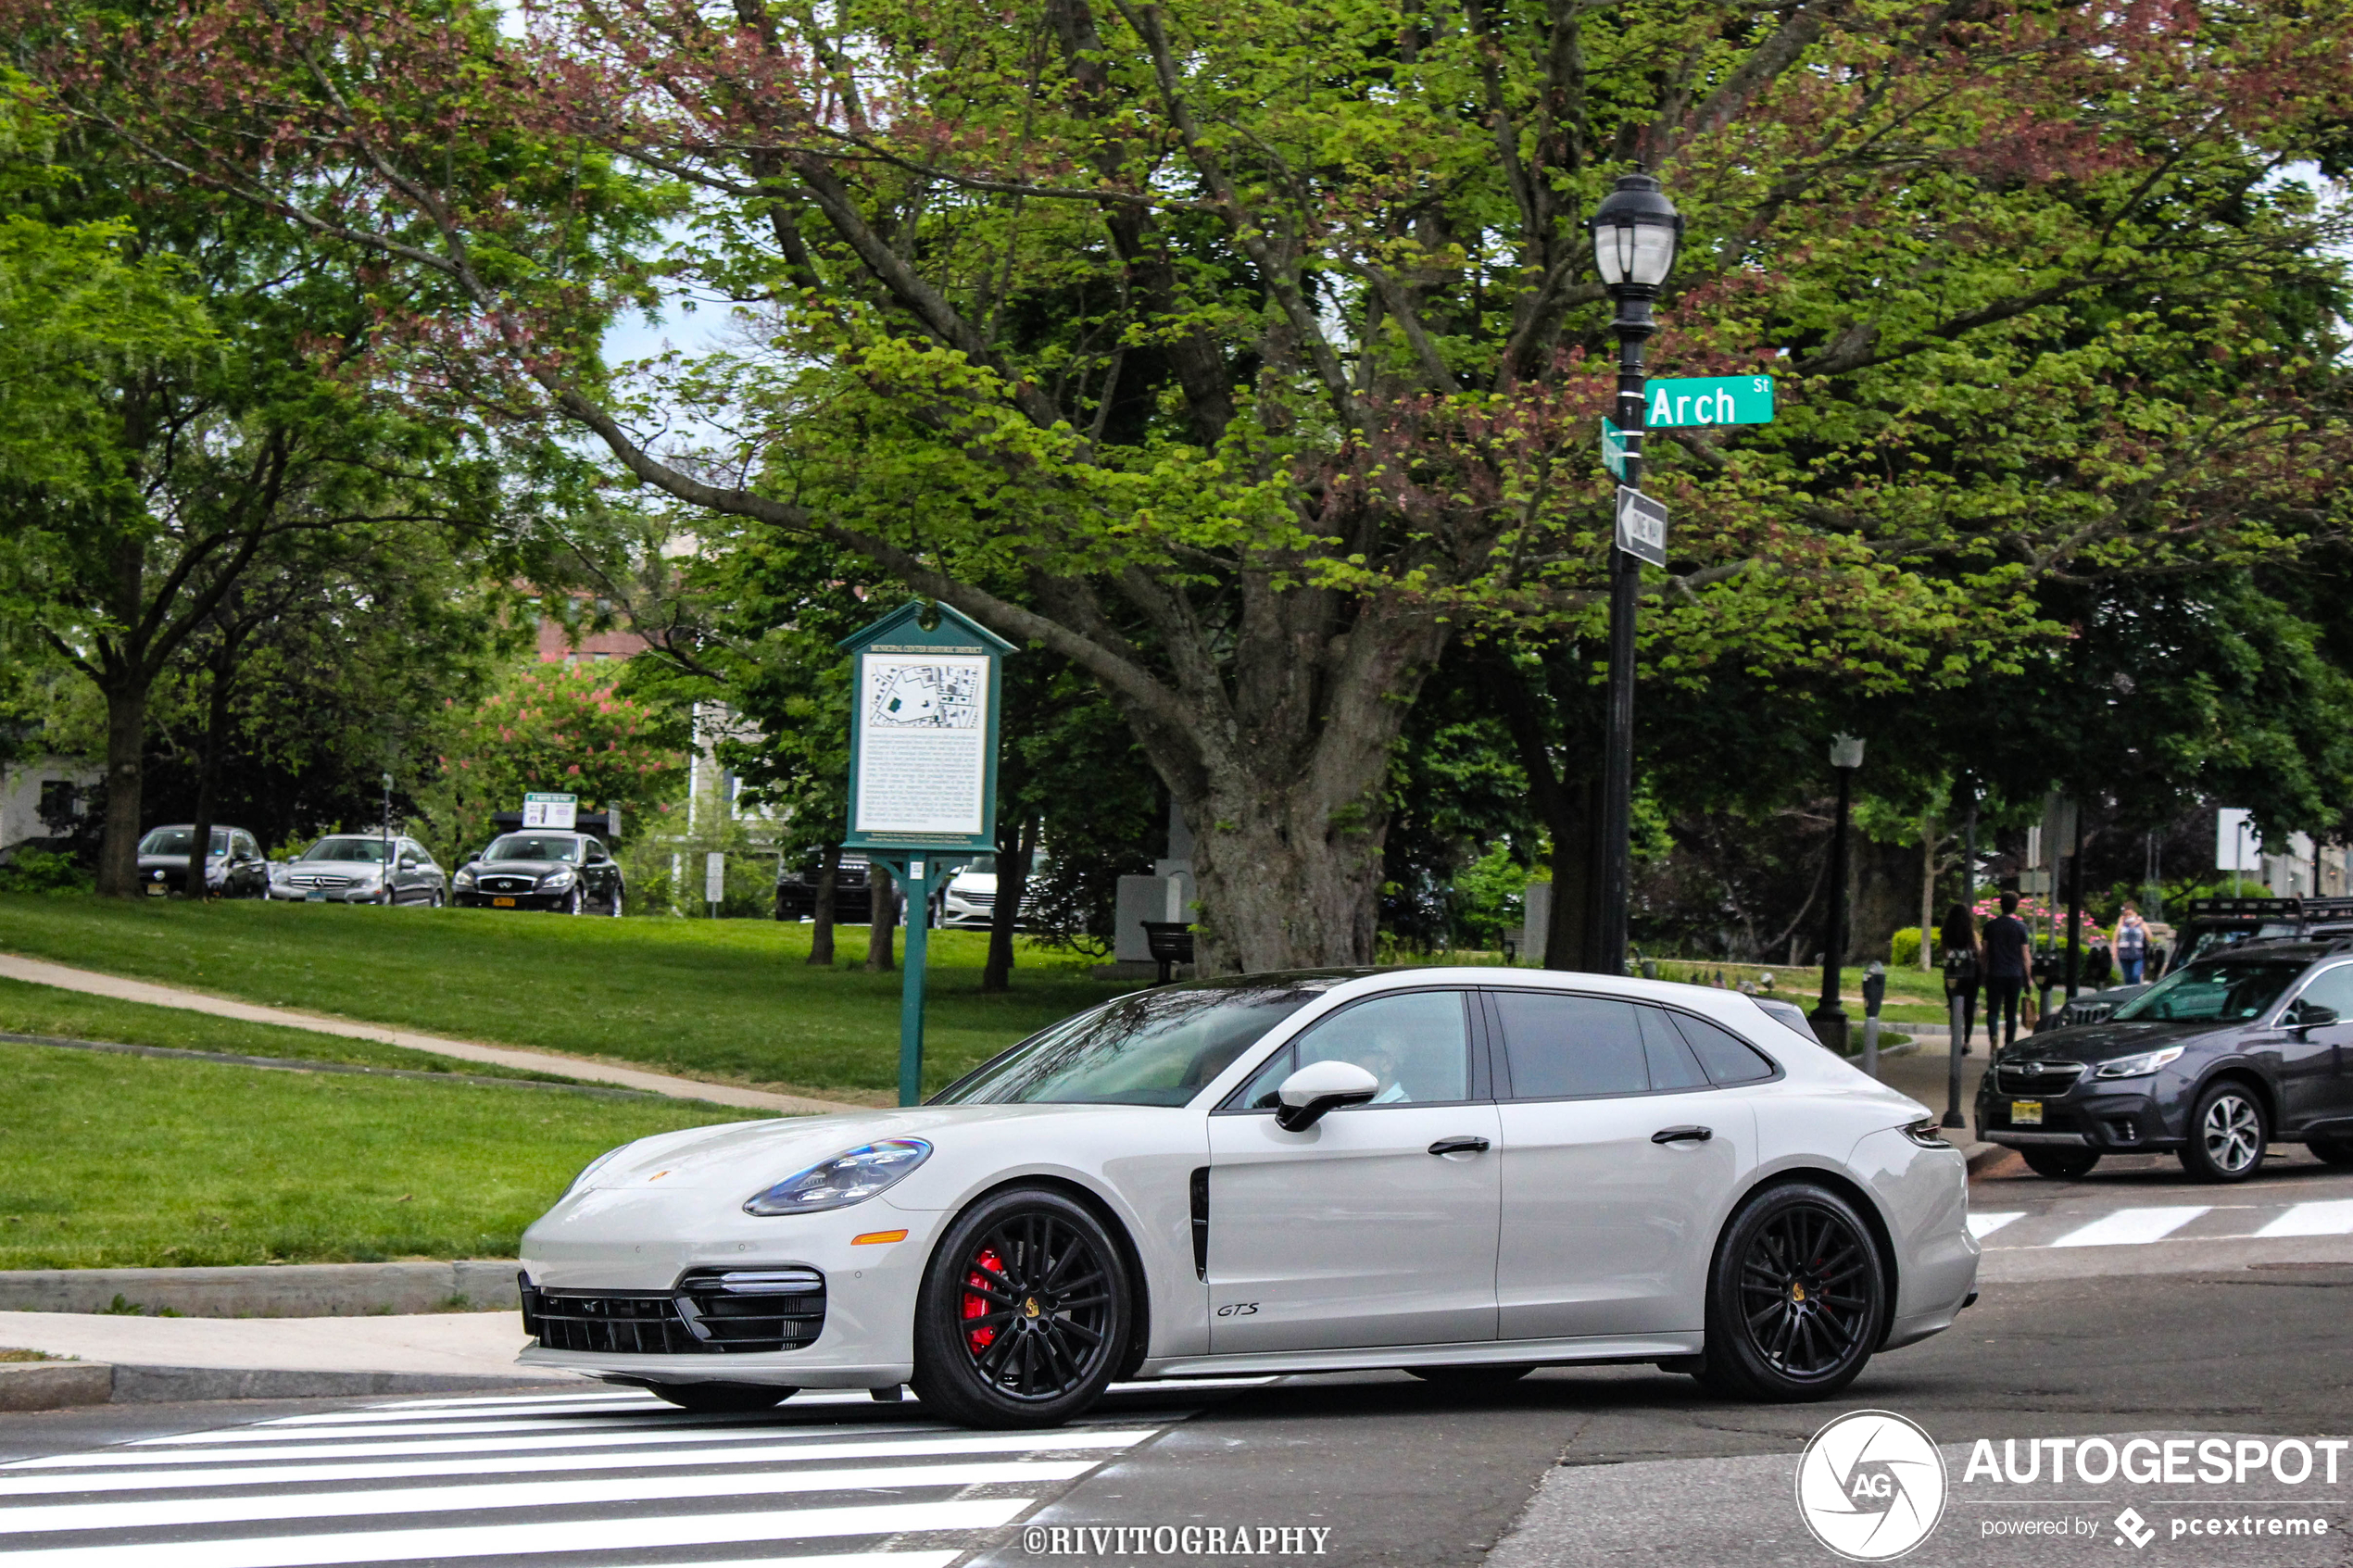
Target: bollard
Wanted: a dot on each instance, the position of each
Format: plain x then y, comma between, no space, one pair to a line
1953,1083
1870,1044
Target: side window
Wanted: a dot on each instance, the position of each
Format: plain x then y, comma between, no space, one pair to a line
1418,1044
2333,988
1671,1062
242,844
596,853
1561,1046
1728,1057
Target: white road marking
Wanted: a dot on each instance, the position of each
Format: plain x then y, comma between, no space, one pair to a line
248,1474
175,1512
600,1392
133,1455
2333,1216
2129,1227
665,1532
650,1420
606,1406
1983,1225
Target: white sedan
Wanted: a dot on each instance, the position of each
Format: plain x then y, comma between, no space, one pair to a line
1461,1173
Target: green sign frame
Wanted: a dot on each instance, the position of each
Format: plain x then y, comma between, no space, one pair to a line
928,784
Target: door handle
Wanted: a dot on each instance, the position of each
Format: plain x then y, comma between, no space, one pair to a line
1682,1134
1469,1144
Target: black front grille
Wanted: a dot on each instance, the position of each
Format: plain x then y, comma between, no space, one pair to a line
713,1311
508,884
2045,1077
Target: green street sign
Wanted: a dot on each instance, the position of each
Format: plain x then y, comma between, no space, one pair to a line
1612,448
1709,400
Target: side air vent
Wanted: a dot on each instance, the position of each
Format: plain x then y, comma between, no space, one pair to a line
1201,1221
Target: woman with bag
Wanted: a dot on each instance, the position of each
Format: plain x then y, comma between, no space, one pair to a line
2131,945
1963,959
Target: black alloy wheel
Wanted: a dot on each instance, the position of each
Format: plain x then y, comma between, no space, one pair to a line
1024,1311
2332,1152
571,903
435,901
1472,1378
2059,1160
1796,1297
2227,1134
721,1399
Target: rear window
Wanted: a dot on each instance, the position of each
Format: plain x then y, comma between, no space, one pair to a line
1728,1057
1561,1046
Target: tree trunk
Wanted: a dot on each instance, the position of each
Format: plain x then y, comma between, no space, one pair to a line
208,783
1013,879
1928,885
126,743
882,924
821,928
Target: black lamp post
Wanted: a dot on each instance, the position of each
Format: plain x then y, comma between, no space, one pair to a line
1829,1018
1635,230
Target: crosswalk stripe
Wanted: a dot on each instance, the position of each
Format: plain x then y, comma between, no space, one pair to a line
1983,1225
115,1514
246,1474
768,1434
2333,1216
2128,1227
603,1391
647,1404
666,1532
640,1420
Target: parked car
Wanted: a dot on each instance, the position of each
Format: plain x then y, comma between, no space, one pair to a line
2213,1063
350,869
233,867
542,870
2211,926
1460,1172
970,898
853,890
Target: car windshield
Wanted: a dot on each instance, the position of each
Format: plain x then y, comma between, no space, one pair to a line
1159,1046
532,846
178,841
370,850
2218,989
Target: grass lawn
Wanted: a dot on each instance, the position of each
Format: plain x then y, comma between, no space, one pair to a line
729,1001
142,1162
43,1010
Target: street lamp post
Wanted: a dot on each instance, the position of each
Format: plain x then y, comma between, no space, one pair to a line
1829,1018
1635,231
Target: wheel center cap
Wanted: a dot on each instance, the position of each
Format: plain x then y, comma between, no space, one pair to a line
1029,1308
1796,1290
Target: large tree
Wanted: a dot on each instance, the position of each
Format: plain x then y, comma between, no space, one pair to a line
1257,336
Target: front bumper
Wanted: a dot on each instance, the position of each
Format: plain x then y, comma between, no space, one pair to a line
475,898
327,894
2122,1117
647,1245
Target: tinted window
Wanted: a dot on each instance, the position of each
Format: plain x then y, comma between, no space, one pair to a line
1417,1044
2218,988
1671,1062
1561,1046
1728,1057
2333,988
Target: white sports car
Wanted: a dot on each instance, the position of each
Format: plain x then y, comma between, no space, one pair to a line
1462,1172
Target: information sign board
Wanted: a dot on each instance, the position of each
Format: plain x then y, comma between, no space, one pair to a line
1642,526
714,877
559,811
923,733
1676,402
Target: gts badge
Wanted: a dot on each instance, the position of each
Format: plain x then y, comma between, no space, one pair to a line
1239,1309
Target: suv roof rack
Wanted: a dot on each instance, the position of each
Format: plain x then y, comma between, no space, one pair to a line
2256,909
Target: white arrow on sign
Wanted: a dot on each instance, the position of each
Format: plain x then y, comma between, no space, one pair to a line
1642,526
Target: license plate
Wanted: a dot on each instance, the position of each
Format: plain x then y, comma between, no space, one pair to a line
502,903
155,890
2026,1113
314,896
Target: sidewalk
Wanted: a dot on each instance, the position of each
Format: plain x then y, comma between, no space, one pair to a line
39,971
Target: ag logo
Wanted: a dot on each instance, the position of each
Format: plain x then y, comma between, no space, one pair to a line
1870,1485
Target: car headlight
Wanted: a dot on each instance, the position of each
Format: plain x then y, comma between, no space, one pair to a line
2139,1066
591,1169
1925,1133
850,1177
465,878
555,880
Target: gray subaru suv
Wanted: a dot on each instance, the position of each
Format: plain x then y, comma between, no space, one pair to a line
2219,1058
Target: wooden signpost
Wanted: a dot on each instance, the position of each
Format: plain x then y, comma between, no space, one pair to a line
923,712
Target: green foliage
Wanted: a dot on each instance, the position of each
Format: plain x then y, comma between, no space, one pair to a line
1905,948
1489,895
42,871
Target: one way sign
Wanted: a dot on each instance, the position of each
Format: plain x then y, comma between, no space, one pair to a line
1642,526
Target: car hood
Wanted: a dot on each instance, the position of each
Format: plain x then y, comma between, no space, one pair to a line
173,863
2106,1041
520,867
768,1151
346,868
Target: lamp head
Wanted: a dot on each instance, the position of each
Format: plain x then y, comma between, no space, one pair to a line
1846,751
1636,230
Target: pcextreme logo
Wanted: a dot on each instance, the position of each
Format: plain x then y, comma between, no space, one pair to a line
1870,1485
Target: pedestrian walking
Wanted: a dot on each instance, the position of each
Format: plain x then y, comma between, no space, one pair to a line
2007,969
1963,959
2130,942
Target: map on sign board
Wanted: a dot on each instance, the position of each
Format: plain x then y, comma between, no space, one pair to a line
922,762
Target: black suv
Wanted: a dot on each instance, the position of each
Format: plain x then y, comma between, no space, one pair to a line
2224,1055
541,868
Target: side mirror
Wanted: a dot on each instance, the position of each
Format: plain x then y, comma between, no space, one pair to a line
408,862
2310,1015
1319,1087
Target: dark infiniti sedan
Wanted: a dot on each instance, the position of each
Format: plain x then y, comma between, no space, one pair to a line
2218,1059
541,869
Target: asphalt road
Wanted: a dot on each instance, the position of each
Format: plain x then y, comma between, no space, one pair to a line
2199,1331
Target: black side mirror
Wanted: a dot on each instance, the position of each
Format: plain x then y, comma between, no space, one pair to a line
2310,1015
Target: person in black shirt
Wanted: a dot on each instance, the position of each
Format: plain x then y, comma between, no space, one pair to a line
2007,969
1963,963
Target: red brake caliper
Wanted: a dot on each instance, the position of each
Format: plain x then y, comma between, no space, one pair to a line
978,1306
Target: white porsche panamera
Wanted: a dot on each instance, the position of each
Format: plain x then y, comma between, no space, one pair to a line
1463,1174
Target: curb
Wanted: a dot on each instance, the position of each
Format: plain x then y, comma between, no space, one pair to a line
269,1290
51,1385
